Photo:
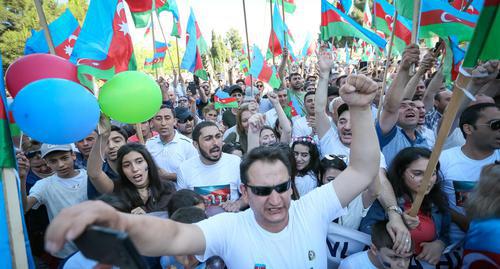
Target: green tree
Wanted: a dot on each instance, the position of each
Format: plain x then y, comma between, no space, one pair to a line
219,52
18,18
79,9
236,42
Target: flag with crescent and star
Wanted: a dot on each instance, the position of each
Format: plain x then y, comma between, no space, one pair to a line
64,32
104,46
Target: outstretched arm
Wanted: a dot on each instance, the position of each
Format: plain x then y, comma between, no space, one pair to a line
395,94
425,66
286,127
325,63
433,89
99,179
358,93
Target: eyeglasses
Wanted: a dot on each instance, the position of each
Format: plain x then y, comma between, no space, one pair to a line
267,190
260,86
182,100
31,154
494,125
185,120
332,157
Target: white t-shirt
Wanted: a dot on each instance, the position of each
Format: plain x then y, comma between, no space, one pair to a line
460,176
300,127
242,243
306,183
271,117
330,144
355,212
429,135
170,155
57,193
357,261
78,261
218,182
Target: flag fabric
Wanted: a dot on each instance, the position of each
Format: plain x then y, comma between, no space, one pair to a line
223,100
473,7
279,33
141,10
191,60
104,46
335,23
453,57
158,57
482,246
367,16
483,45
345,6
244,67
289,5
309,46
261,70
176,27
8,160
384,21
64,32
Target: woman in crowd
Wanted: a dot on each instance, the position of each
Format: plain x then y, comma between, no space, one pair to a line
306,157
240,133
430,229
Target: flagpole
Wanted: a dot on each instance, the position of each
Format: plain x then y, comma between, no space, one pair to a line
154,39
178,57
387,64
248,44
165,39
284,23
415,28
272,30
45,26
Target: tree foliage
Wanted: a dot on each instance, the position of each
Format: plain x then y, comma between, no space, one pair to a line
234,39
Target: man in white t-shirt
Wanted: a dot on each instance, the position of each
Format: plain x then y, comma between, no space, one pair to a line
461,166
67,187
380,255
213,174
169,148
275,232
302,125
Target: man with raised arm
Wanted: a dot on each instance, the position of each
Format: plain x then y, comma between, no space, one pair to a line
275,232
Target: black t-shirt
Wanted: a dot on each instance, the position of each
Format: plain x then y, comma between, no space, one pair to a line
228,118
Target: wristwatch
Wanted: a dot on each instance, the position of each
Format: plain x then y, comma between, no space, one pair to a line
394,208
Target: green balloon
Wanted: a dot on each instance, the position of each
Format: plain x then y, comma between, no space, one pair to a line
130,97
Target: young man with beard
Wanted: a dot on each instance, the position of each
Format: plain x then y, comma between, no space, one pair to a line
397,126
170,148
275,232
84,146
303,126
184,121
296,93
103,173
272,114
213,174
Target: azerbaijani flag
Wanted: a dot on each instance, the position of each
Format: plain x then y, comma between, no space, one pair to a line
192,57
309,46
473,7
176,27
104,46
64,32
384,21
335,23
484,43
453,57
481,246
261,70
367,16
244,67
278,34
223,100
289,5
141,10
345,6
158,57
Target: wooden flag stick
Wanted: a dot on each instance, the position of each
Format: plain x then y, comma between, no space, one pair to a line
272,30
415,28
446,123
138,131
154,39
178,57
45,26
165,39
387,65
284,23
248,44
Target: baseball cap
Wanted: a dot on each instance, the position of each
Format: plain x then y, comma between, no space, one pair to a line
249,90
342,108
234,88
48,148
182,113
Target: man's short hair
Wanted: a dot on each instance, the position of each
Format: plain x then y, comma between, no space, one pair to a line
167,106
311,76
197,129
342,108
265,154
380,236
472,114
120,130
183,198
240,80
307,94
293,75
337,81
333,90
189,215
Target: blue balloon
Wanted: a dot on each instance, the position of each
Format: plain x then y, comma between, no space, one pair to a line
56,111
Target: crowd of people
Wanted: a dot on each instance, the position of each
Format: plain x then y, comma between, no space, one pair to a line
265,185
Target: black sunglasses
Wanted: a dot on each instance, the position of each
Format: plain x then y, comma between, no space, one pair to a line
494,125
185,120
31,154
267,190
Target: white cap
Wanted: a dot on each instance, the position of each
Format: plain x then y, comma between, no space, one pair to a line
48,148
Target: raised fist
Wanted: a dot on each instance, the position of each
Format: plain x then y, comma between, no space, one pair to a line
427,63
486,72
411,55
325,61
358,91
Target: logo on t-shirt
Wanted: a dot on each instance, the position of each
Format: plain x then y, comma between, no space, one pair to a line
311,255
260,266
462,191
214,195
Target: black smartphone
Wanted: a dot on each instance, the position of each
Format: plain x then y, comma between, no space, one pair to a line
109,246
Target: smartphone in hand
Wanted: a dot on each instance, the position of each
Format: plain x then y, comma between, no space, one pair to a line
109,246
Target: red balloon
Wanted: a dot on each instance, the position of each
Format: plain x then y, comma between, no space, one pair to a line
34,67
